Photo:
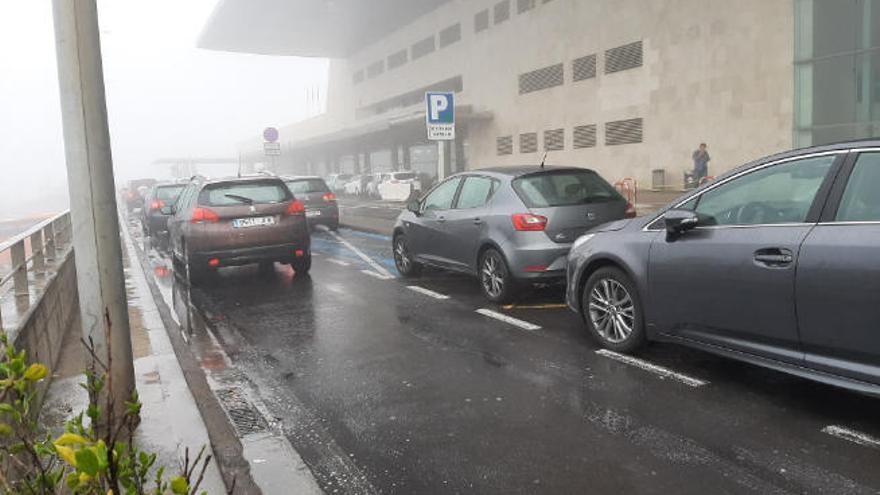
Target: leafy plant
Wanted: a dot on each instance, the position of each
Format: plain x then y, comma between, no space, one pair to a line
86,459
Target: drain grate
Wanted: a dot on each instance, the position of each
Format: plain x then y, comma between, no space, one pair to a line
245,417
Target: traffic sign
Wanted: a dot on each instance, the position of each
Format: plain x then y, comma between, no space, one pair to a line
270,134
440,116
272,149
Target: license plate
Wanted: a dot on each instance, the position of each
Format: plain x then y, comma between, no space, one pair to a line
242,223
313,213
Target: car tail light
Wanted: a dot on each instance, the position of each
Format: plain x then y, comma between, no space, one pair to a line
157,205
536,269
299,253
204,215
528,222
630,211
329,197
296,208
213,262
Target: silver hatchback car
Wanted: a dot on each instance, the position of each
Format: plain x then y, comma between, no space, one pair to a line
508,226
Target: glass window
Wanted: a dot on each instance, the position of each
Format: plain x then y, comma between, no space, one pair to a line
238,193
168,193
564,188
861,200
475,192
441,197
306,186
773,195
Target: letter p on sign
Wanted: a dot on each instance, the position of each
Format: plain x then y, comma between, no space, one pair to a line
440,116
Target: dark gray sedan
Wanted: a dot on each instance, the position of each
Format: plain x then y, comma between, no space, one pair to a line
508,226
777,263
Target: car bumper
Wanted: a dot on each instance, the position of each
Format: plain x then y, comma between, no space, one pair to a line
325,215
244,256
539,263
156,224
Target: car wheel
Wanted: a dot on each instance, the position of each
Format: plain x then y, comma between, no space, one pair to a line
498,284
403,258
333,226
302,265
613,311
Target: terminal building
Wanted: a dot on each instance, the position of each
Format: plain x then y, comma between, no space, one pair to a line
628,88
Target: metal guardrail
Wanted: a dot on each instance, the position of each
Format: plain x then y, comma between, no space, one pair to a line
31,252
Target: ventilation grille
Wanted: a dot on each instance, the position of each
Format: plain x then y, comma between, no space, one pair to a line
395,60
358,77
450,35
623,57
623,132
585,136
537,80
554,140
481,21
584,68
422,48
502,11
504,145
375,69
528,142
524,5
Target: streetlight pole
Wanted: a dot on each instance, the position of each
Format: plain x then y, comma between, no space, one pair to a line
96,241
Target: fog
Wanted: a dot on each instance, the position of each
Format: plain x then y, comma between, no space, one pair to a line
165,97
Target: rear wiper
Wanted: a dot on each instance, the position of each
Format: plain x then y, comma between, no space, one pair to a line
243,199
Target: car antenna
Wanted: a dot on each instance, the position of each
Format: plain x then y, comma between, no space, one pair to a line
544,159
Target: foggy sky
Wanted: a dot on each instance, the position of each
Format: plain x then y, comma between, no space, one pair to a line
165,97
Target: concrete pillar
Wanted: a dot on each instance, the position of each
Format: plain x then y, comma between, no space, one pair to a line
95,220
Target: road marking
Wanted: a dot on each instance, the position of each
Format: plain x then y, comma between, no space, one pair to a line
531,327
652,368
376,275
536,306
427,292
853,436
338,262
376,266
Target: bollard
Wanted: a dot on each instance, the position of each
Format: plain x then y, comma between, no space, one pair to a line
49,237
19,264
38,252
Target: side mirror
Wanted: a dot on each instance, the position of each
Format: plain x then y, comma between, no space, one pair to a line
167,210
680,221
414,206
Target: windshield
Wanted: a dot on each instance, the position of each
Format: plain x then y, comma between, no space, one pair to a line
169,193
234,194
564,188
306,186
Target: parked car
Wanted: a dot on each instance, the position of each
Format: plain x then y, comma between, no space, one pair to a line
399,186
508,226
357,185
337,182
774,263
238,221
373,185
321,205
153,221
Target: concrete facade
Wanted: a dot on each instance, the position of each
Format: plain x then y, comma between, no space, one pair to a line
713,71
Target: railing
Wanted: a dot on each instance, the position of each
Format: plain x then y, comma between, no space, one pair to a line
32,252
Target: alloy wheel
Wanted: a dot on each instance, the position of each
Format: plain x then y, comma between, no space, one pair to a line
401,255
492,275
612,310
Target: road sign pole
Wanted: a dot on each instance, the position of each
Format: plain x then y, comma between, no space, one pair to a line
100,278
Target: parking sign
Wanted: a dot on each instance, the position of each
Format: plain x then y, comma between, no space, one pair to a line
440,116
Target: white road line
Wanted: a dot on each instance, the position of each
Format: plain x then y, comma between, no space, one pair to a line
376,275
427,292
652,368
376,266
853,436
338,262
531,327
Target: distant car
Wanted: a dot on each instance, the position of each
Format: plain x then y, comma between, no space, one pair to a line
356,185
321,205
337,182
153,221
399,186
507,226
238,221
774,263
134,193
373,185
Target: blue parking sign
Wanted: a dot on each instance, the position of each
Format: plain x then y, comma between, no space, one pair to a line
440,116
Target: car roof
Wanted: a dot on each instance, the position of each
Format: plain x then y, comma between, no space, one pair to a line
520,170
233,179
300,177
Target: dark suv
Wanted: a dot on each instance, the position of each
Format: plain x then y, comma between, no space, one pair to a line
153,221
238,221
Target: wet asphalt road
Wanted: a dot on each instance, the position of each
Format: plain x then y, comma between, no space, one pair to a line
382,389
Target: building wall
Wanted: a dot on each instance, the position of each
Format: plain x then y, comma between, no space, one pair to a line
713,70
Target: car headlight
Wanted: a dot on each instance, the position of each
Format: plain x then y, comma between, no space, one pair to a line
582,240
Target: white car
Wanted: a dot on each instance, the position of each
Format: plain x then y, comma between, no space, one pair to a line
399,186
373,185
337,182
354,186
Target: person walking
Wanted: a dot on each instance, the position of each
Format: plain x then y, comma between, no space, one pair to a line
701,163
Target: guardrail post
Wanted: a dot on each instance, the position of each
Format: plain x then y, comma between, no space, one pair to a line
19,265
49,238
38,252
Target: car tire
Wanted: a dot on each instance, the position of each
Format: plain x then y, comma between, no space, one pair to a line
612,310
496,281
333,226
302,265
403,258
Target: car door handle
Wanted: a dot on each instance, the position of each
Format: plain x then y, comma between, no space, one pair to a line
441,219
774,256
478,221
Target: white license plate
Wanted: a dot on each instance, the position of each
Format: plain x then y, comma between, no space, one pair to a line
313,213
242,223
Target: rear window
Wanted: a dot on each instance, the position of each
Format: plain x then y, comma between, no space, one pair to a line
564,188
235,194
306,186
169,193
405,176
